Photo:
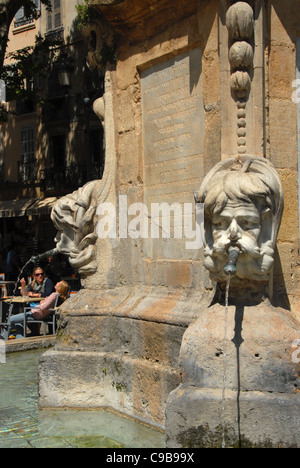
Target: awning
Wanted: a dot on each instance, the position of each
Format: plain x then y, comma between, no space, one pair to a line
41,206
15,208
28,206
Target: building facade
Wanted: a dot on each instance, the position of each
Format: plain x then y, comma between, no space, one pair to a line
50,148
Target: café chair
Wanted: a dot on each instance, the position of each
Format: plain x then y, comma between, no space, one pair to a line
49,321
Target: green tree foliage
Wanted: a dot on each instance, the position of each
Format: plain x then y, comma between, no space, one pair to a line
8,10
26,65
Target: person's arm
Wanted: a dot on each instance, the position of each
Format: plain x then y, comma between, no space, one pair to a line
30,292
23,287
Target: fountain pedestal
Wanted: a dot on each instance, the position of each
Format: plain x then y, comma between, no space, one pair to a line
239,366
118,349
267,421
261,404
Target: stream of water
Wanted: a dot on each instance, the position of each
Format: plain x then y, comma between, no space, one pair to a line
20,277
225,361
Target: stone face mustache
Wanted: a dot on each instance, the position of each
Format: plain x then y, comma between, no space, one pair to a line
247,244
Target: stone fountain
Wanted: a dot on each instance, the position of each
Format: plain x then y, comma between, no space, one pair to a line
240,385
210,362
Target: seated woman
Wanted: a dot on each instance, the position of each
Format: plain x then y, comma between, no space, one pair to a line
40,286
41,312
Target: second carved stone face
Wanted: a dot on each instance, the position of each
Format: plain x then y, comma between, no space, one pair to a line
243,207
238,224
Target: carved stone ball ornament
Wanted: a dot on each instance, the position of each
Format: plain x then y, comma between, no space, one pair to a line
243,204
240,25
240,82
241,55
240,21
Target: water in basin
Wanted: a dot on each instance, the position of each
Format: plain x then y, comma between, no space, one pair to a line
23,425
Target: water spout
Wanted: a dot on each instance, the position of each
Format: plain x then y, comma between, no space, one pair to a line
34,259
49,253
233,253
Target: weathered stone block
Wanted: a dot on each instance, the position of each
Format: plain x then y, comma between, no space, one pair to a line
196,419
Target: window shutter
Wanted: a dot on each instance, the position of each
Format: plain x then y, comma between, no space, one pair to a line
49,21
57,14
54,18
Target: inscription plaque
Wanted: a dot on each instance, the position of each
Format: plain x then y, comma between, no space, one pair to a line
173,129
173,141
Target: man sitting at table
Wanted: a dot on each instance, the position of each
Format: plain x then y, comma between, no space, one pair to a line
40,286
41,312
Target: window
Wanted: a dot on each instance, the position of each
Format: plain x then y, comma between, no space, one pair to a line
21,19
54,17
27,163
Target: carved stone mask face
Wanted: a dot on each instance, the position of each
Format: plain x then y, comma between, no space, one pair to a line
243,206
239,224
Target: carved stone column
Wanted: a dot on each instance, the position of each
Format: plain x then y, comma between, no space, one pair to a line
242,78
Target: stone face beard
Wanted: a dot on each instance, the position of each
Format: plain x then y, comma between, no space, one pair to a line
243,205
254,262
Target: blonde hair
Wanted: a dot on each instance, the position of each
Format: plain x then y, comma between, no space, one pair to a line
64,290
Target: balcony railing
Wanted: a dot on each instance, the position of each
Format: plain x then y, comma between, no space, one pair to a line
23,22
56,35
27,171
70,177
57,179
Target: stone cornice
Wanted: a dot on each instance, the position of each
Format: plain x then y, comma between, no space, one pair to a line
141,19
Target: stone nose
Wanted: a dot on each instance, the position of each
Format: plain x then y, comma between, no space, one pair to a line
234,231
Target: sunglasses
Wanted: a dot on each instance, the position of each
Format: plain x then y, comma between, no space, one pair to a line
39,274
